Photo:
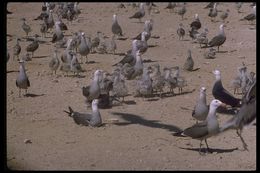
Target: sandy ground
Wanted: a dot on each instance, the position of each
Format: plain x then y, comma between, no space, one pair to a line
142,140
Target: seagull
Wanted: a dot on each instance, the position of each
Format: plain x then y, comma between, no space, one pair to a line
84,46
74,64
92,91
55,62
116,28
181,31
201,109
120,89
203,130
182,11
219,39
140,14
148,28
26,27
220,93
144,85
170,6
22,81
16,49
238,6
169,79
33,46
251,16
210,54
196,23
58,35
94,119
95,42
189,63
245,116
213,12
157,78
224,15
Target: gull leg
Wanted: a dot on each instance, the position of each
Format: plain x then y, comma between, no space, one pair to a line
242,139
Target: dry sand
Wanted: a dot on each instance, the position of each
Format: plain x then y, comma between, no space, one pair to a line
142,140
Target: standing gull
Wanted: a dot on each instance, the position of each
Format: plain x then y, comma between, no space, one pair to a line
157,79
224,15
92,91
170,6
196,23
204,130
33,46
181,31
220,93
26,27
22,81
16,49
213,12
58,35
74,65
139,14
201,109
119,87
94,119
144,85
55,62
219,39
84,48
116,28
170,81
189,63
182,11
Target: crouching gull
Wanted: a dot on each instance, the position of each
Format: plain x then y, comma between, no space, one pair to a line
94,119
220,93
139,14
205,129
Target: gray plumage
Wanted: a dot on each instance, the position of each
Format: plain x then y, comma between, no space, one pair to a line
224,15
116,28
33,46
55,62
251,16
75,66
105,83
27,29
111,45
119,87
189,63
22,81
202,37
44,29
170,6
245,116
157,79
131,72
181,31
213,12
203,130
58,35
84,47
144,85
142,44
182,11
139,14
238,6
180,80
94,119
170,81
50,21
129,58
201,108
95,42
219,39
210,54
92,91
148,28
16,49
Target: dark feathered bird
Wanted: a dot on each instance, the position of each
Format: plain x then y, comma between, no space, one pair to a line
220,93
196,23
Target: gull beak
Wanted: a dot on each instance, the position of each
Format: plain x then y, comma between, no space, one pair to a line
223,105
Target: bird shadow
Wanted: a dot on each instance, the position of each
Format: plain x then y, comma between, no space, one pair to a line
185,40
211,150
129,102
148,61
195,69
136,119
120,54
44,56
11,71
122,38
170,94
223,51
33,95
153,45
138,22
